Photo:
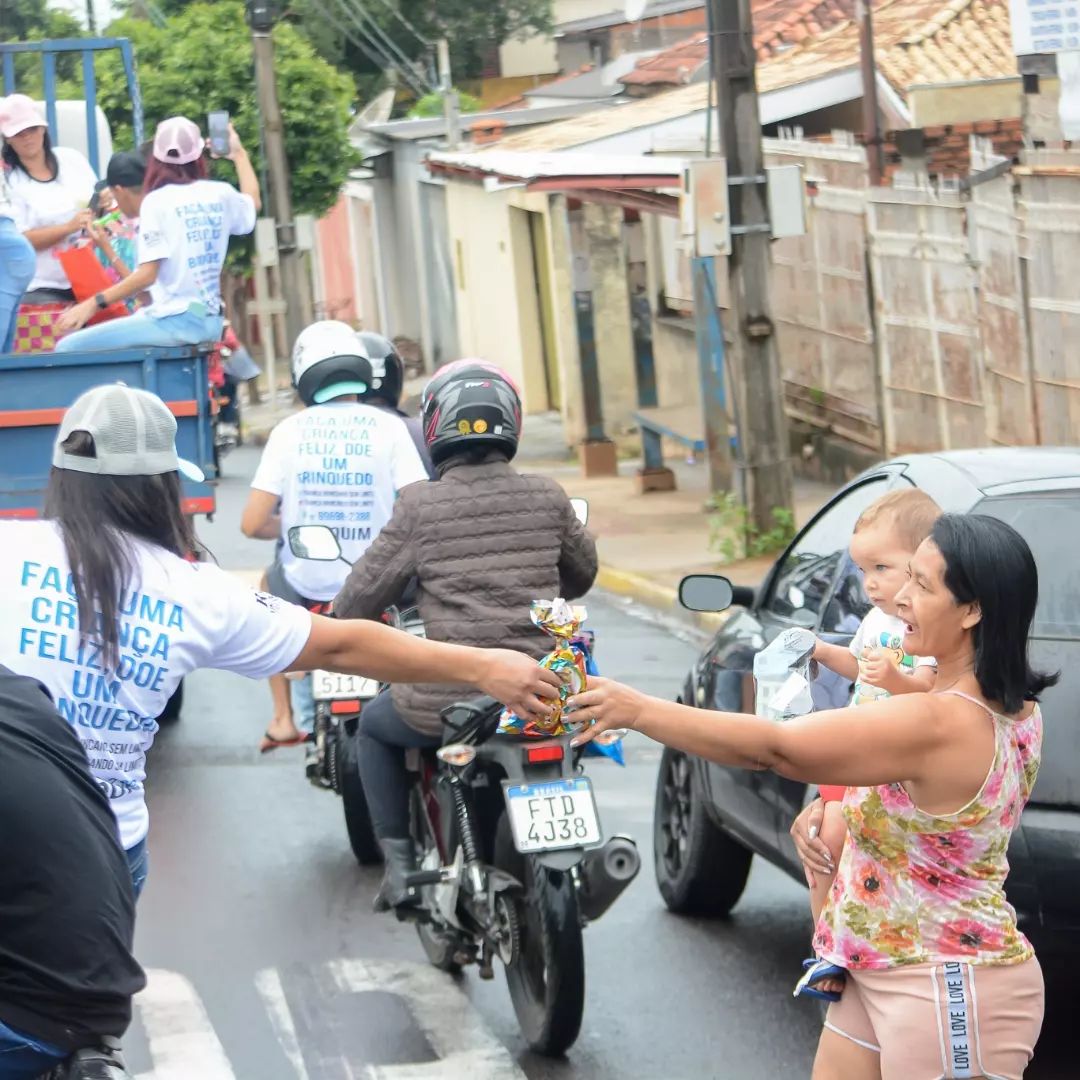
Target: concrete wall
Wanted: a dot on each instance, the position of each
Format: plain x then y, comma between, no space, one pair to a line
492,279
534,55
335,282
611,316
953,103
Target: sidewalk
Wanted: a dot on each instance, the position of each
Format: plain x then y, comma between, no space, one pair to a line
647,543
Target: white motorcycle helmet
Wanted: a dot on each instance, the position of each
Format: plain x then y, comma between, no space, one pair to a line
329,361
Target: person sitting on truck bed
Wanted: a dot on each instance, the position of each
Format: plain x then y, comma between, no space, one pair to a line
184,229
51,188
123,186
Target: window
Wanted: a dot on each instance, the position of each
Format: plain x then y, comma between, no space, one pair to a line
805,579
1050,523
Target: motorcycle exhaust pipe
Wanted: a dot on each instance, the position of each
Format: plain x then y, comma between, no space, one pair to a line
604,874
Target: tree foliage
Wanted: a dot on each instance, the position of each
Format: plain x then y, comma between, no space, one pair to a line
201,61
432,105
31,20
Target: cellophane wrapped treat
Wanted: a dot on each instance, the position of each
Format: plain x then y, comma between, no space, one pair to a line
562,621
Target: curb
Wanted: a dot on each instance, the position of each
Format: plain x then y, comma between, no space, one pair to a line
651,593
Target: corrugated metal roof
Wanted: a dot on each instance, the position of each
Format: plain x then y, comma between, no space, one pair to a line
520,165
435,127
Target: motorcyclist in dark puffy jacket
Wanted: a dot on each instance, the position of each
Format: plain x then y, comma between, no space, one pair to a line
482,543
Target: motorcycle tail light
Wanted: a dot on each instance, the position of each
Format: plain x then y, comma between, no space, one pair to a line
339,708
536,754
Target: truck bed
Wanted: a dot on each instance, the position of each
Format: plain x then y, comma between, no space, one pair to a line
37,388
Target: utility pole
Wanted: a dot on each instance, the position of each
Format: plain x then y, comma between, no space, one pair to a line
91,18
451,109
763,440
294,285
871,117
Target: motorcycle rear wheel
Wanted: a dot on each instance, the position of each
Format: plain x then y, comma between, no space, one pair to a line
547,982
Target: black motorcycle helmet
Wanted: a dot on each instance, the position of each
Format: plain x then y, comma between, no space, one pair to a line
387,367
470,404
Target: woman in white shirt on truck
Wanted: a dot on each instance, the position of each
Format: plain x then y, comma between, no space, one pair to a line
184,228
50,191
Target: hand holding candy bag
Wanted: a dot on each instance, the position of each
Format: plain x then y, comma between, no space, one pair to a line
562,621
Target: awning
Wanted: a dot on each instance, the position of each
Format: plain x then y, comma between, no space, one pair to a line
647,183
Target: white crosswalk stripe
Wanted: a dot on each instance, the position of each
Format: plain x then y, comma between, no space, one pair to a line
182,1040
184,1045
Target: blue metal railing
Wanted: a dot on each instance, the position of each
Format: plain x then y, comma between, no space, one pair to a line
86,47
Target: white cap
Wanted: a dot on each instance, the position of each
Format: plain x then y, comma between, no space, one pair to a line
133,431
178,141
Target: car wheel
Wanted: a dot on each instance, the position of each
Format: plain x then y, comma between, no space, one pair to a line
700,870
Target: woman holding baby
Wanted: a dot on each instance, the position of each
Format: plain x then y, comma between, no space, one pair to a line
935,979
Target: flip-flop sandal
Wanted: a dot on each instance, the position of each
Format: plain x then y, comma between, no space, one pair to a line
269,743
818,969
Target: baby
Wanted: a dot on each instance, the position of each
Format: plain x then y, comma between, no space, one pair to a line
885,538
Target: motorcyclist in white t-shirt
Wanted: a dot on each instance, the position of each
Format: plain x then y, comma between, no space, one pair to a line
340,462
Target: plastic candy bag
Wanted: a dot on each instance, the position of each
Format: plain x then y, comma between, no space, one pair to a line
782,675
562,621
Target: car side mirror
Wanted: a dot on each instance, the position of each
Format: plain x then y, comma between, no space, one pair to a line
314,542
581,510
706,592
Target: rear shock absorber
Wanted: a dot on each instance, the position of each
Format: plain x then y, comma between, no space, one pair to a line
468,840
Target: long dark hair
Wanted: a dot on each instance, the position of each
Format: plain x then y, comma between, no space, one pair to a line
98,516
988,563
160,173
13,161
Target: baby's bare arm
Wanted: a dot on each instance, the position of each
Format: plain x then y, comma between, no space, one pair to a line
920,681
838,658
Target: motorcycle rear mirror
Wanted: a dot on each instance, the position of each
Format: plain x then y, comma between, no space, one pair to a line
706,592
314,542
581,510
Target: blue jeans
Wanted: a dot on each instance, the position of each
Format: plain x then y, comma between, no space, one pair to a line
139,864
23,1057
303,703
17,265
140,329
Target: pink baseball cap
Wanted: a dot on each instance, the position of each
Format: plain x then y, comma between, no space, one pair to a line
178,141
18,113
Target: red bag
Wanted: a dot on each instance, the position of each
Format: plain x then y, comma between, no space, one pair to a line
88,278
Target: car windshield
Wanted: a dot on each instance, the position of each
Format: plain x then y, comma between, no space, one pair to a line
1050,523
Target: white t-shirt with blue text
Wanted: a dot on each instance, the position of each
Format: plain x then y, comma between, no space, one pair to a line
185,228
340,465
176,617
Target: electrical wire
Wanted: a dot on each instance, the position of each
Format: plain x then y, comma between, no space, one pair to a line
393,9
376,33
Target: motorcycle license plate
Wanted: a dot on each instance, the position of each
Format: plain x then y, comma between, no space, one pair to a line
552,815
330,686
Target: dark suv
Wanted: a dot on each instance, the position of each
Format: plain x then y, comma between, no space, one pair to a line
710,820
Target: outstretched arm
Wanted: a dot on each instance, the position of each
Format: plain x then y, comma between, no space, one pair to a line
380,652
879,743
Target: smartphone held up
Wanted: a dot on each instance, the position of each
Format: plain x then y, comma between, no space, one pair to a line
217,124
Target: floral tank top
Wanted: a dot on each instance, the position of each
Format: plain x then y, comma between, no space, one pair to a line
919,888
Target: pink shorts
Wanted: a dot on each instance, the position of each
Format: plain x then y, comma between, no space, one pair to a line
951,1020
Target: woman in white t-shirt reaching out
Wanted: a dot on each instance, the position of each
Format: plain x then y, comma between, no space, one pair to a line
184,228
103,607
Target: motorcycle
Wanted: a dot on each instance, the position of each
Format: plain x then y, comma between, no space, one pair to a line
513,864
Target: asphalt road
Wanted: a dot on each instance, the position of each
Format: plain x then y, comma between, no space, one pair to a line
266,962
